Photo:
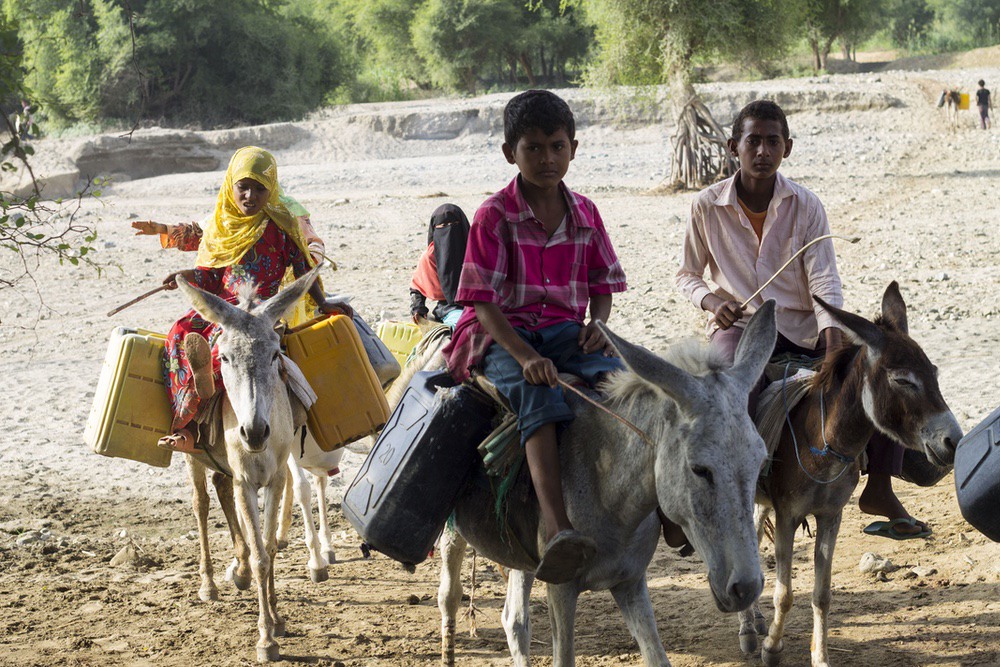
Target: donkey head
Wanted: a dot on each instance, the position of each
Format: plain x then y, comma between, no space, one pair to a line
899,391
709,453
249,352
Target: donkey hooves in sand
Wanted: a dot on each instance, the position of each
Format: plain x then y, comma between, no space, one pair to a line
771,657
282,545
320,575
748,642
270,653
208,594
279,627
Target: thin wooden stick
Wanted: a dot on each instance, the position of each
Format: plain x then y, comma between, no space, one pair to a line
639,431
136,300
784,266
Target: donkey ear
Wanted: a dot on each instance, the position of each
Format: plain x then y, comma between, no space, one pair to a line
756,345
894,308
858,329
275,307
208,305
677,383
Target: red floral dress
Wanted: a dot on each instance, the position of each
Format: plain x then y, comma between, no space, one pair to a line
264,264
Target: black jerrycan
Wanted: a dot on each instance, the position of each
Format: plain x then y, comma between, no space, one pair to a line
977,476
407,487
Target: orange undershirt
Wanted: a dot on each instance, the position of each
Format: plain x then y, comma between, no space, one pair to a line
756,219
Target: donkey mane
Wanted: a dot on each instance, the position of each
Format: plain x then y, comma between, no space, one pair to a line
837,367
626,388
246,296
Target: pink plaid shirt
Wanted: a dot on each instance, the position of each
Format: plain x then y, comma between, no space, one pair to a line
537,281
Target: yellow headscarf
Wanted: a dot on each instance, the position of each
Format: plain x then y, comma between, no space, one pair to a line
229,234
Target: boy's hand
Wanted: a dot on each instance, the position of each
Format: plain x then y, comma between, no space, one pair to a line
148,228
727,314
592,339
540,370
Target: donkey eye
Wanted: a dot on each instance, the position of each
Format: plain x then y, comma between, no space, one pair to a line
223,358
274,359
703,472
903,381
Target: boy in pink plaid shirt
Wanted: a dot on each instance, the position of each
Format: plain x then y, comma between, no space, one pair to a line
537,257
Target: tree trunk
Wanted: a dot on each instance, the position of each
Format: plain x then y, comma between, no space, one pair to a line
526,64
814,47
700,152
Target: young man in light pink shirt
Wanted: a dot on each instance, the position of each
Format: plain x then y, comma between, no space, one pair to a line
743,230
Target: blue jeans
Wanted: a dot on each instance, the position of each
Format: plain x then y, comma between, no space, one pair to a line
536,405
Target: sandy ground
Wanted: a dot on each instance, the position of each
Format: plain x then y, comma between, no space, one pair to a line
923,200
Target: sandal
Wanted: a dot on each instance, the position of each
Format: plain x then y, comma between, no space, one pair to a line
181,442
199,356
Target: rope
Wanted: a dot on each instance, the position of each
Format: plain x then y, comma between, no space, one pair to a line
819,452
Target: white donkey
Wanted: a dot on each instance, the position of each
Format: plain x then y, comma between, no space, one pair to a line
309,468
700,467
257,435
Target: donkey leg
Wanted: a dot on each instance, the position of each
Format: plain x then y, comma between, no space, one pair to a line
325,534
272,507
751,619
516,617
562,614
239,570
285,523
199,500
632,598
450,590
303,495
784,538
246,502
827,529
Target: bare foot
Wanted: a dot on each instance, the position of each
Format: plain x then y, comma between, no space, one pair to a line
199,355
181,441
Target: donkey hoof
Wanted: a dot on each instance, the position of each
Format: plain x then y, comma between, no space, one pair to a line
319,576
282,545
208,594
770,658
279,628
270,653
748,642
242,581
760,625
331,557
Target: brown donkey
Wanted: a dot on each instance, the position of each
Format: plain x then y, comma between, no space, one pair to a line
882,381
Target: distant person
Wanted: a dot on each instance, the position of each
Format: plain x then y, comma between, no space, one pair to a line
440,267
985,103
742,230
538,259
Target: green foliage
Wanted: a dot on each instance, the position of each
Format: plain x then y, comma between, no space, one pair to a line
206,61
909,22
31,229
644,42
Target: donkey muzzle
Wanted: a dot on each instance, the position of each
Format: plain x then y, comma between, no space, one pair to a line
255,436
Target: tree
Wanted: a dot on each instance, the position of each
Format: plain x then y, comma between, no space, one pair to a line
909,21
459,39
30,230
649,42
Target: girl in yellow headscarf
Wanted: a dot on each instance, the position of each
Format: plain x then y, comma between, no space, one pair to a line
250,237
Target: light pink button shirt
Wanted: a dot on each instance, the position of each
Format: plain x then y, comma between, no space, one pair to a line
720,237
